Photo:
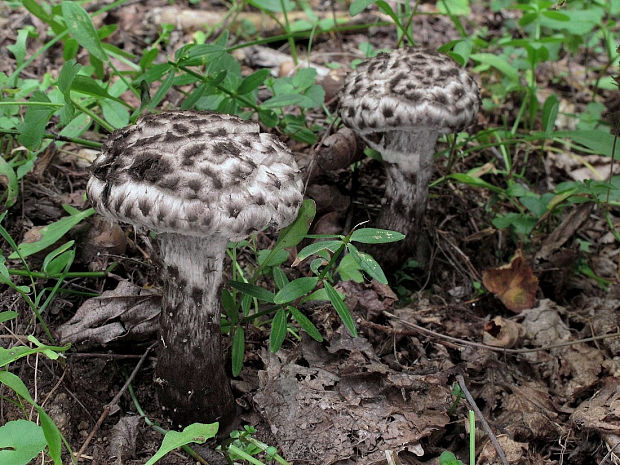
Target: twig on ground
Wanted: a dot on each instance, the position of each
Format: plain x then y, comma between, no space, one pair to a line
99,355
485,425
609,453
113,402
419,329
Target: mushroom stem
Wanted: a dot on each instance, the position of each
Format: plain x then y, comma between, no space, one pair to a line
409,167
190,368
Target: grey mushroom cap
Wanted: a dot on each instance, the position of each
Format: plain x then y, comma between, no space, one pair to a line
408,90
196,174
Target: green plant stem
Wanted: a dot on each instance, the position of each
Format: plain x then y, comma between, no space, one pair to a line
73,274
205,79
104,124
32,104
335,257
261,445
472,437
60,138
159,429
287,29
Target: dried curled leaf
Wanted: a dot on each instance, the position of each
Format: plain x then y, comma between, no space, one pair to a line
514,283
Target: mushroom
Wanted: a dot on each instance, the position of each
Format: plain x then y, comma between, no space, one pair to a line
400,103
198,180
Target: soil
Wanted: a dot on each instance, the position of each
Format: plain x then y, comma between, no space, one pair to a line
348,400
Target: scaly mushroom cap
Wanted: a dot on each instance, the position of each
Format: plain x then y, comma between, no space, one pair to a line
408,89
196,174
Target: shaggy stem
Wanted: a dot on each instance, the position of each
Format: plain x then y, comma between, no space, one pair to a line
190,370
409,167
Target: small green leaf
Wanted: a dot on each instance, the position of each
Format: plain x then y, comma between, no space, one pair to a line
475,182
341,308
56,261
81,27
306,324
375,236
52,436
8,315
68,72
266,258
454,7
18,49
115,113
278,331
368,264
498,63
228,304
162,91
279,277
357,6
318,295
268,117
51,233
274,6
16,384
556,15
20,442
253,291
238,350
349,270
35,120
294,233
252,82
312,249
286,100
195,433
10,178
295,289
304,78
448,458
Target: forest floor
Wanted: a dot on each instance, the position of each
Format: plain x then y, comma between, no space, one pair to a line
545,378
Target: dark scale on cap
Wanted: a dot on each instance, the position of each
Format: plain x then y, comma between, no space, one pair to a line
216,182
169,182
162,214
195,184
388,112
226,148
180,128
146,141
149,167
105,195
170,137
441,99
127,210
118,202
234,211
190,152
145,206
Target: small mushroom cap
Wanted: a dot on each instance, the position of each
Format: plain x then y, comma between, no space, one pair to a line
408,89
196,174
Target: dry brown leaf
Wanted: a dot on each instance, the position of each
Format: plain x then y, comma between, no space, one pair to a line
514,283
128,313
344,402
500,332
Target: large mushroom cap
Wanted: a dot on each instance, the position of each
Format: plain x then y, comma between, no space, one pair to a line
196,174
408,89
